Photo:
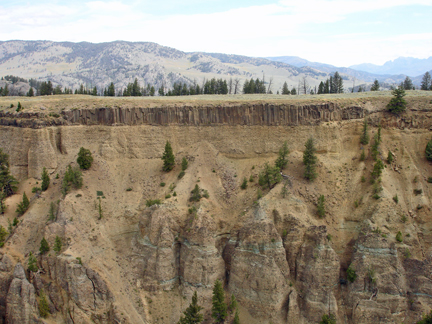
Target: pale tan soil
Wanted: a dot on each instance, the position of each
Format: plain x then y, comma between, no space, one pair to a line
129,157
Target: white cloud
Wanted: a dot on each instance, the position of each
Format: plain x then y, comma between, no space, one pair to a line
267,30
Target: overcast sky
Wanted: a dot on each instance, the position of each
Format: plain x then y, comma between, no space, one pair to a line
338,32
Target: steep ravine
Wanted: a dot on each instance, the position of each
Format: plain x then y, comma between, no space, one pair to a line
283,263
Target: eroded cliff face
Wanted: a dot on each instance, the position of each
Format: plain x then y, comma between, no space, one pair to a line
137,264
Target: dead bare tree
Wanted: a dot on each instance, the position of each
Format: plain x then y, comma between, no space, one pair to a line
304,85
230,85
236,85
269,86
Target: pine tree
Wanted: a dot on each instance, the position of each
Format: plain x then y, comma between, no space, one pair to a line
192,313
428,151
236,318
285,90
57,244
168,158
426,81
364,139
282,161
23,205
397,104
8,183
375,86
45,180
219,308
30,93
2,203
309,160
407,84
293,91
111,90
321,88
44,246
85,158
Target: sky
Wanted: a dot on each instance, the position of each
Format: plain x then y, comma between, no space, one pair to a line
337,32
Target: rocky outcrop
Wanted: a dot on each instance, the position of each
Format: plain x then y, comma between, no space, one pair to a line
245,114
21,299
259,271
77,291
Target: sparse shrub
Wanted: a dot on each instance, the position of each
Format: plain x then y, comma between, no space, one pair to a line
129,189
23,205
259,194
363,155
206,194
174,194
44,247
43,305
192,210
3,234
390,157
269,177
371,275
78,195
52,212
415,180
172,186
377,170
329,237
284,190
57,245
233,305
404,219
328,319
419,207
36,190
282,161
15,222
251,178
396,199
100,209
351,274
72,177
32,263
181,174
184,164
363,179
284,233
162,184
167,196
45,180
57,176
356,204
19,108
195,194
168,158
244,184
79,260
429,179
407,253
85,158
376,196
418,192
320,206
151,202
399,237
428,151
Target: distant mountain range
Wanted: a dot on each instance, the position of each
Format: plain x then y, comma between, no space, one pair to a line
71,64
390,72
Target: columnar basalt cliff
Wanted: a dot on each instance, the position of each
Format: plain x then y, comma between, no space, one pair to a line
124,261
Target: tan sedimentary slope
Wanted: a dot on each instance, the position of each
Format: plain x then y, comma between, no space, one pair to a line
282,262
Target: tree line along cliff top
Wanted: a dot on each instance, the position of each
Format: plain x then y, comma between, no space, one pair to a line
56,103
